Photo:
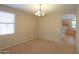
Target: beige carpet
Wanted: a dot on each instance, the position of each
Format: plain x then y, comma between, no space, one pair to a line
42,46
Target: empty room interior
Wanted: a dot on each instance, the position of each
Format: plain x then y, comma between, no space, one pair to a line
39,29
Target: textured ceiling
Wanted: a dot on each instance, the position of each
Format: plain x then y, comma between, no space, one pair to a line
49,8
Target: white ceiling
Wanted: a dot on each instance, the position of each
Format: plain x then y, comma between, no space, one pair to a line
49,8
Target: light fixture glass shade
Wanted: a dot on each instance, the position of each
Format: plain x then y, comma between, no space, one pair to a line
40,13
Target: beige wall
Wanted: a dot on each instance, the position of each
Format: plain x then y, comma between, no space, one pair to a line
25,28
50,26
77,33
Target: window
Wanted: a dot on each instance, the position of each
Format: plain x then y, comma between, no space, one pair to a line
7,23
73,24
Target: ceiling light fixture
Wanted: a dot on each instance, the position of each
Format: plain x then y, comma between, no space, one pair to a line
40,12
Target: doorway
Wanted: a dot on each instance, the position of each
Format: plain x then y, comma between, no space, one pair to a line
69,29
